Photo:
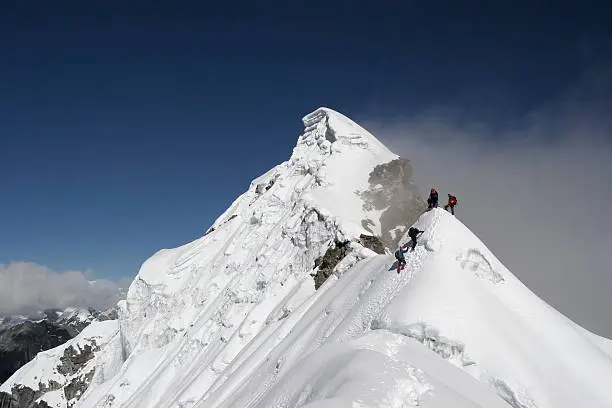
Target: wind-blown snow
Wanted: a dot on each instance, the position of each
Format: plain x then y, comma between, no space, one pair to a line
233,320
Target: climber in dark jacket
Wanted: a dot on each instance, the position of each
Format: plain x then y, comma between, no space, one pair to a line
399,255
413,233
432,201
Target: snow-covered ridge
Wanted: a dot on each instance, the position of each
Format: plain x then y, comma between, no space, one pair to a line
233,319
70,314
192,309
455,328
22,337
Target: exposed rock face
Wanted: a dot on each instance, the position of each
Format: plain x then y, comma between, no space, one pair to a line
373,243
328,262
77,386
20,343
59,377
22,397
337,252
110,314
73,359
392,189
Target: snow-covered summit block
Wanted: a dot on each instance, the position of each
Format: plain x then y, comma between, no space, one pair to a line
198,305
358,178
324,126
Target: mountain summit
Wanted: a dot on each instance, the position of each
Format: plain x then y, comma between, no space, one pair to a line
291,299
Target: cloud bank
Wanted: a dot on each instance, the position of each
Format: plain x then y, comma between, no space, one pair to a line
26,288
539,194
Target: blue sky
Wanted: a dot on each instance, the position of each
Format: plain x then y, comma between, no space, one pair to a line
127,129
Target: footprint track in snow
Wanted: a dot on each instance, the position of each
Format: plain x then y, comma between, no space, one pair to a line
365,288
431,241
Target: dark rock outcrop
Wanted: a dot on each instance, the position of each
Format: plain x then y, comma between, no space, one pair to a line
74,359
71,365
77,386
373,243
110,314
391,189
20,344
328,262
25,397
263,187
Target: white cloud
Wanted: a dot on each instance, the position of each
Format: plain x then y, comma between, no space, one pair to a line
27,287
539,194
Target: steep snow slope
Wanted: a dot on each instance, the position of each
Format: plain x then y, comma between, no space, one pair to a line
192,309
364,339
509,338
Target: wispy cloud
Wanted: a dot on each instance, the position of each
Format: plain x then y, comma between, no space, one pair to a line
27,288
539,193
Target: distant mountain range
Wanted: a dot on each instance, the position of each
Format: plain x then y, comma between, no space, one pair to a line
22,337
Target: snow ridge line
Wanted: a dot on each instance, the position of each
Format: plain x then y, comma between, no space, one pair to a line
333,307
383,295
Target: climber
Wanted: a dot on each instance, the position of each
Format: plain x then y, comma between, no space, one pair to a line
399,255
413,233
432,201
452,202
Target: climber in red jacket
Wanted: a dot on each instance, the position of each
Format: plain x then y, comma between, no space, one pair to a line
452,202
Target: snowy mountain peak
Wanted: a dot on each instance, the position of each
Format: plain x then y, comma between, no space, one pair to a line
290,300
325,126
340,169
275,232
340,192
